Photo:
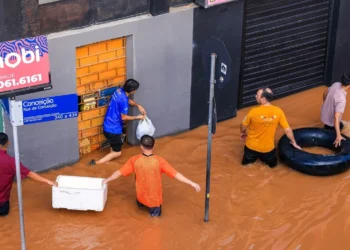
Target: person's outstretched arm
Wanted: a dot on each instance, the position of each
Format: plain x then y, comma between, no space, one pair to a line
290,135
113,177
172,173
141,109
36,177
132,118
125,170
288,130
123,108
339,137
183,179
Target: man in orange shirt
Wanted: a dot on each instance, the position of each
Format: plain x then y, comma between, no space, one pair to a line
259,127
148,169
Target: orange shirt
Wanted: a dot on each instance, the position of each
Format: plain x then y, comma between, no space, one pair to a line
262,122
148,171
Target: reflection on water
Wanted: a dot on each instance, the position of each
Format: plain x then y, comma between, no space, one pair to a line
251,208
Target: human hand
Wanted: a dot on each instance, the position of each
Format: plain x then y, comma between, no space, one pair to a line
295,145
140,117
196,186
338,140
243,136
52,183
141,109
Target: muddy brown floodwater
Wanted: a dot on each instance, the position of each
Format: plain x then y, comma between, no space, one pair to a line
319,150
251,207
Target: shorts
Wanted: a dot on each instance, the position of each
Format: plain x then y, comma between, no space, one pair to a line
250,156
4,208
153,211
333,128
115,140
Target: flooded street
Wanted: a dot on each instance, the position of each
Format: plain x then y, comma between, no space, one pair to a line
251,208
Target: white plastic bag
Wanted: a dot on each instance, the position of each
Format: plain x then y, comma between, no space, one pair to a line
145,127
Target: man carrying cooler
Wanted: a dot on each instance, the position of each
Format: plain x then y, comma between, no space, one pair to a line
148,169
116,114
259,127
8,173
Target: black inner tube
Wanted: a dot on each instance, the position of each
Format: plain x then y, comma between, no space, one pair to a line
315,164
317,139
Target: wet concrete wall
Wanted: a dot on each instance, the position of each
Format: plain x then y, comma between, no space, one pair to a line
24,18
156,57
65,15
10,20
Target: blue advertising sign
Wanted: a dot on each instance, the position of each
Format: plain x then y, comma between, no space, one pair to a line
50,109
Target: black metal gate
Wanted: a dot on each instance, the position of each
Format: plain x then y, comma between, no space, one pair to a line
285,46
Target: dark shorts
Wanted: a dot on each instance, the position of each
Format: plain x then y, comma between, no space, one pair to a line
250,156
333,128
4,208
153,211
115,140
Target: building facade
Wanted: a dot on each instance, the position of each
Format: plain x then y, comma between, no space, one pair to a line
95,45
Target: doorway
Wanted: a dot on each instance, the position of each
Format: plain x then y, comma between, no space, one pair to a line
100,69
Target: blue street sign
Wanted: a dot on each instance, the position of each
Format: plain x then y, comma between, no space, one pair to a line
50,109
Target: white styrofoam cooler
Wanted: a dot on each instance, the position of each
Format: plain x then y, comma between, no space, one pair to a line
79,193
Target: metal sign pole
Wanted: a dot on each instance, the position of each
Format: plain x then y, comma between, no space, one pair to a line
18,175
210,124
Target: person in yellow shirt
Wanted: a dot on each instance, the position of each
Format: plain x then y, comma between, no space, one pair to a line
258,130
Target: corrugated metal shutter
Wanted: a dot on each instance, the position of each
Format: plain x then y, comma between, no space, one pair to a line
284,46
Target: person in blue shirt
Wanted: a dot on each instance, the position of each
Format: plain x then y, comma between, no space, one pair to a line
116,114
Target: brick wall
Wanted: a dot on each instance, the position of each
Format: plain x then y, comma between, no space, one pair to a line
101,67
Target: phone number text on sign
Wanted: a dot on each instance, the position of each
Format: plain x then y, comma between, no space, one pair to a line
24,63
10,84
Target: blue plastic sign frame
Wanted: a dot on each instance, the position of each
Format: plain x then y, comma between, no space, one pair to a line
50,109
